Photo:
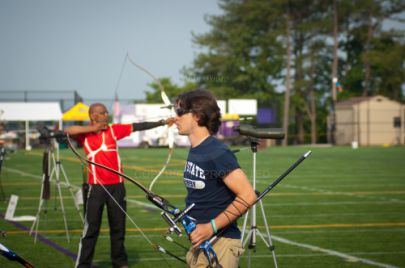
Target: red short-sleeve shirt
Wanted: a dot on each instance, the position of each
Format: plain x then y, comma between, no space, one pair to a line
102,148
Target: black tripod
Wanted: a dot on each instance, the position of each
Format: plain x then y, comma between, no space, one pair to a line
52,167
251,235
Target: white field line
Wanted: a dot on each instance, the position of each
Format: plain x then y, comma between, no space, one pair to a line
266,256
347,257
357,195
73,186
23,173
346,203
339,231
26,174
280,239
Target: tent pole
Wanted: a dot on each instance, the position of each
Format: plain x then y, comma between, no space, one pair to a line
27,136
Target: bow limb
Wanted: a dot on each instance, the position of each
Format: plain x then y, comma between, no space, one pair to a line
170,130
163,94
12,256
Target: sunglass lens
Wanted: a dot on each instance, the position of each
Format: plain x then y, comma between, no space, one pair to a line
180,111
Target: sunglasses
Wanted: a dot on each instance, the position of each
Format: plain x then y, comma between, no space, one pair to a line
181,111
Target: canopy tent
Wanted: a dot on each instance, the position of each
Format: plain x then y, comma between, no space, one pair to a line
79,112
30,111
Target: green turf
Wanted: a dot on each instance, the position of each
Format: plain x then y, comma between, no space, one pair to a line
339,208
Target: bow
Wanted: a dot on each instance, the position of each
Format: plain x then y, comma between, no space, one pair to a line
157,200
168,105
173,215
12,256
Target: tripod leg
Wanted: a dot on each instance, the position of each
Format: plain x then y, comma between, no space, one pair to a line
35,224
2,194
249,235
69,186
253,226
244,225
56,171
248,258
63,209
2,157
248,238
270,245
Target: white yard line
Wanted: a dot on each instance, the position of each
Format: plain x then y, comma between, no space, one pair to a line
357,195
264,256
26,174
23,173
347,257
322,203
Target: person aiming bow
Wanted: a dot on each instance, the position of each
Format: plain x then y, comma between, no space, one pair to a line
214,181
99,140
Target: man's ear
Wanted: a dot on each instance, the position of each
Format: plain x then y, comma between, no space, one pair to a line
196,117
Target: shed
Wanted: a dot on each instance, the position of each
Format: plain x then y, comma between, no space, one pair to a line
31,111
370,121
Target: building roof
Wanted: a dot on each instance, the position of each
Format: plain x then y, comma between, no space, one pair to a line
357,100
30,111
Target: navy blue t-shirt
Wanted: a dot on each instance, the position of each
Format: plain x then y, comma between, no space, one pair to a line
207,164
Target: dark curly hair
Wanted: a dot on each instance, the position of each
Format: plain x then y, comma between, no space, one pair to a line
203,104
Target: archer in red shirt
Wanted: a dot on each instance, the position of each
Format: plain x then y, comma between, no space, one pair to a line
99,141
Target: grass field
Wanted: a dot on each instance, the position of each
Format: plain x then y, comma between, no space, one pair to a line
339,208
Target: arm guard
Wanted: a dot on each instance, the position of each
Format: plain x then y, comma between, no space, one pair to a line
147,125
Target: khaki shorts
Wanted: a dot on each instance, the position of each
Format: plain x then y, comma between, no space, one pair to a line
228,252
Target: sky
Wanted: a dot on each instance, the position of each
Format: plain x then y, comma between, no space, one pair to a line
81,44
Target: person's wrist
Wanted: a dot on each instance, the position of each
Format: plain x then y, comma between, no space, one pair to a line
96,127
214,226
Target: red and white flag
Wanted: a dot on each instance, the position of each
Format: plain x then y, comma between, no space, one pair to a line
116,110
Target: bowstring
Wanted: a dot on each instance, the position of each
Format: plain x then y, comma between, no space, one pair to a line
119,206
153,245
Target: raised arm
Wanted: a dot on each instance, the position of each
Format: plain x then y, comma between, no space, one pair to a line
149,125
76,130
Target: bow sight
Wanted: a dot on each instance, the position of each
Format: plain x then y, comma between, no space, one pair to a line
172,215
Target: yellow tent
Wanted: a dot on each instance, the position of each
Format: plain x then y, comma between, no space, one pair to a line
230,117
79,112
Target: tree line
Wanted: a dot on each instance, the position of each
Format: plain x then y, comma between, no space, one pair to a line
304,55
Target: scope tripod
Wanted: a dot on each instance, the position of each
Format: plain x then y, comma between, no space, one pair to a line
52,160
253,230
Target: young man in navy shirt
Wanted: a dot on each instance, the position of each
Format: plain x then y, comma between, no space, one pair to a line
214,181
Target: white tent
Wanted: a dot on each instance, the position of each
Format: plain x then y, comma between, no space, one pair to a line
30,111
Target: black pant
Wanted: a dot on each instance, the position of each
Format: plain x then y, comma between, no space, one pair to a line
97,197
